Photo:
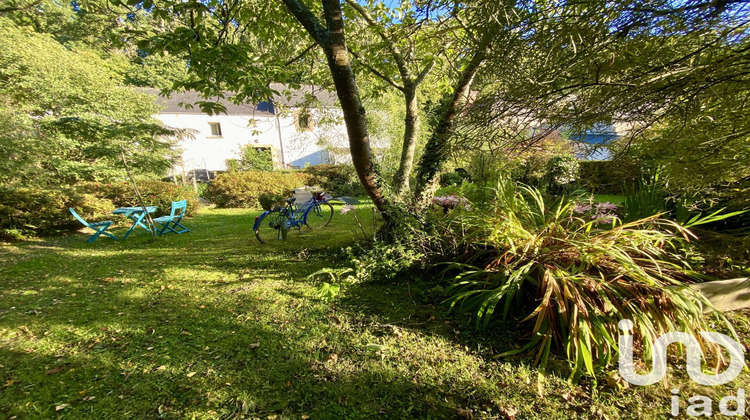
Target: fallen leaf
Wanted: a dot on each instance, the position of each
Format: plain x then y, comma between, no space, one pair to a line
465,414
162,367
191,374
376,347
55,370
254,345
61,407
509,412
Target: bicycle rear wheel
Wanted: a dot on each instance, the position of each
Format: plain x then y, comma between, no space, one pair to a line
319,215
271,227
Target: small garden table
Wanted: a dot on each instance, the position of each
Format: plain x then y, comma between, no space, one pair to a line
136,214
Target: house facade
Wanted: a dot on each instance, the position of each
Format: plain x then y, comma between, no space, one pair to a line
300,128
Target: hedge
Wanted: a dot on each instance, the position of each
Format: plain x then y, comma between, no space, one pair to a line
608,177
242,189
336,180
31,211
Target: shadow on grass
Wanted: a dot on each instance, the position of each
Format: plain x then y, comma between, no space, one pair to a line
204,325
213,324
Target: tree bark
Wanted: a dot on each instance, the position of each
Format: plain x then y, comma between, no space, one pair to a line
332,39
435,152
411,133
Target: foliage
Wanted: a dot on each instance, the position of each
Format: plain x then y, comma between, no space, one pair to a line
223,306
65,117
562,172
645,199
28,211
580,276
608,177
673,76
327,291
385,260
32,211
155,193
337,180
243,189
270,200
253,159
455,177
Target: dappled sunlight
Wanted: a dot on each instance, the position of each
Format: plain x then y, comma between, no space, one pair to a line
211,325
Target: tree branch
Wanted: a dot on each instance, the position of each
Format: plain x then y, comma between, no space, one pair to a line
375,71
302,54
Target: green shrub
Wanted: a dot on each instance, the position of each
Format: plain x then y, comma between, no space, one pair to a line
455,177
647,197
154,193
38,211
561,173
270,200
243,189
608,177
573,279
35,211
337,180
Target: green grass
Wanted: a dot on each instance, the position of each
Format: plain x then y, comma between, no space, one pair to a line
614,199
213,324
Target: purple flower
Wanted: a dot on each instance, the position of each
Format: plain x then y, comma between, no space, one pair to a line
582,208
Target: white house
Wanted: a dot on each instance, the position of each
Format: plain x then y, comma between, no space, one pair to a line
297,135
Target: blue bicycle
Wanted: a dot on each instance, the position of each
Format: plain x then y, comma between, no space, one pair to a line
274,224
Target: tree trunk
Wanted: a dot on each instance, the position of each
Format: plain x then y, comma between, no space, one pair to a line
331,39
436,149
411,133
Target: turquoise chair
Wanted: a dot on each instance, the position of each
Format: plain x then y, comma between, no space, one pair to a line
171,223
99,227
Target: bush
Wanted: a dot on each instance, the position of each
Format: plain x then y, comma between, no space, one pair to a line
270,200
572,278
154,193
337,180
561,173
37,211
608,177
34,211
455,177
243,189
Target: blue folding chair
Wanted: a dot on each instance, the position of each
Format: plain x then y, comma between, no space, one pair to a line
99,227
171,223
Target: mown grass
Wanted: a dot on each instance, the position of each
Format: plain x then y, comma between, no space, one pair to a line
212,324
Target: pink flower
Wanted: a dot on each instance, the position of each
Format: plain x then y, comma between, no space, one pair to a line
580,209
606,206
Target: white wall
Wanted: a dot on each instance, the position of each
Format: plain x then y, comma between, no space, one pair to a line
210,152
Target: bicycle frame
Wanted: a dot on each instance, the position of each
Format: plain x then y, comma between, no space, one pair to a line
292,211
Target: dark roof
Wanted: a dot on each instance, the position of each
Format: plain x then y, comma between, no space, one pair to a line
294,97
172,104
287,97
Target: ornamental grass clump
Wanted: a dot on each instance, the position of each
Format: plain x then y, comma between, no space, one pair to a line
574,276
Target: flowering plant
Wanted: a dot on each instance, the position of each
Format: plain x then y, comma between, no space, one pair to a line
453,201
600,212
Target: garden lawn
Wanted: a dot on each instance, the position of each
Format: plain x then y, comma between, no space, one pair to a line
213,324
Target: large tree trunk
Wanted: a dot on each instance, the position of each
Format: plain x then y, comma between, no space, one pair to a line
331,39
411,133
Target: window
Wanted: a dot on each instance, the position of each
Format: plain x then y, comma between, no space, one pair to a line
303,120
215,129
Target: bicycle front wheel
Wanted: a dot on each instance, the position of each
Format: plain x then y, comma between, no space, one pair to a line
319,215
271,227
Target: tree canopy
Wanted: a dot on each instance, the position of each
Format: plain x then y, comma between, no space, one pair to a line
66,115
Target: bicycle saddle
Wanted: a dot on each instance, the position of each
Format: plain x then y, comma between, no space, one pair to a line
290,200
